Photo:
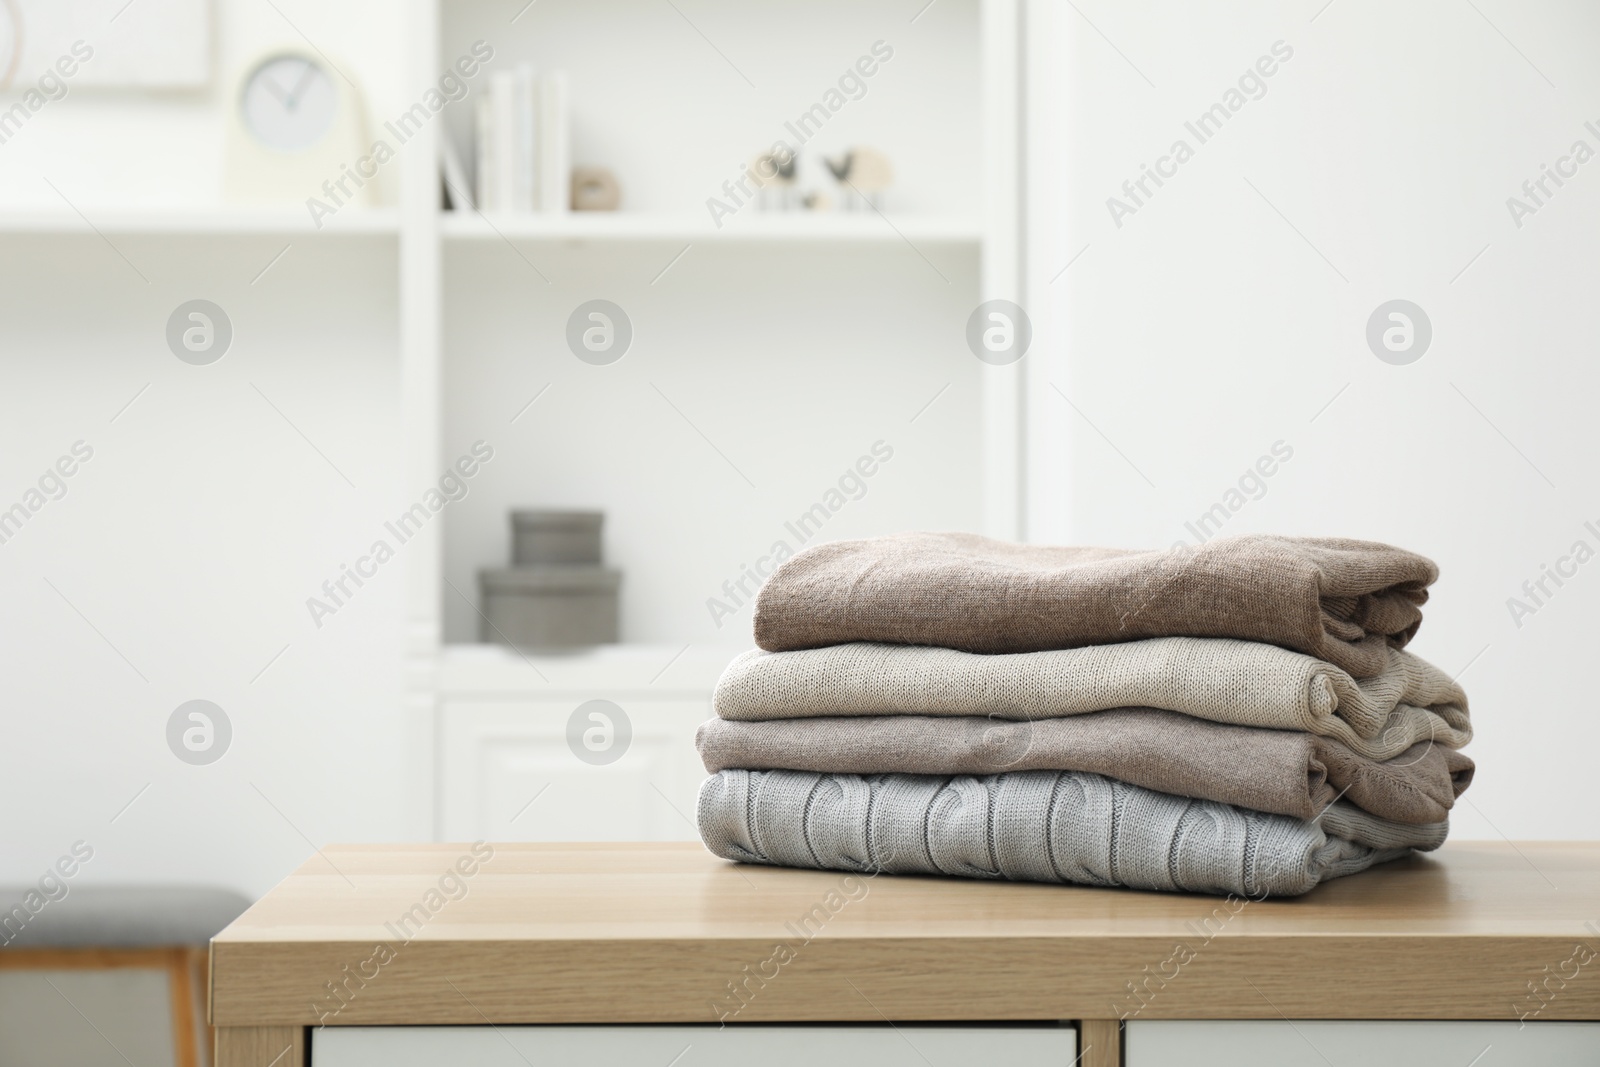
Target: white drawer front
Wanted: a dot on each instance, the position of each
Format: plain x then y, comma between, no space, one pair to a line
497,756
695,1046
1360,1044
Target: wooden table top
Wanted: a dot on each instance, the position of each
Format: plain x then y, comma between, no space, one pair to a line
395,934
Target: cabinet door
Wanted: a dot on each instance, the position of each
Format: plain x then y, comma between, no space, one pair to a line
696,1046
510,773
1306,1043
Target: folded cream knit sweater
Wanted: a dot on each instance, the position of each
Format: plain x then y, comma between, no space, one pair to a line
1244,683
1039,826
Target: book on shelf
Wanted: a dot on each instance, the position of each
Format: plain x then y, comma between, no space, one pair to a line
483,147
524,173
555,144
522,151
458,190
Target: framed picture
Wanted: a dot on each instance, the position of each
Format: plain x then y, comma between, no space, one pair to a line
153,44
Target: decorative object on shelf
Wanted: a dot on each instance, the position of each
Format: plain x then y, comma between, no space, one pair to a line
595,189
522,145
863,174
155,44
784,183
541,608
555,594
297,130
774,174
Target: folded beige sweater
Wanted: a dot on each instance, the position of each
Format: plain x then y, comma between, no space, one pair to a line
1278,771
1343,601
1245,683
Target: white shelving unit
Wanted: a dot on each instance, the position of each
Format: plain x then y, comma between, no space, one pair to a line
946,247
189,222
767,227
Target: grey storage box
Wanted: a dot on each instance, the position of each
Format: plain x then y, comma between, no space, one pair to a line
540,608
540,537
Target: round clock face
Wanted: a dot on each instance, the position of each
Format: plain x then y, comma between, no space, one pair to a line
289,103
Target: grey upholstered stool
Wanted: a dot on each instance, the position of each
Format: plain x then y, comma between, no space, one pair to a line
107,974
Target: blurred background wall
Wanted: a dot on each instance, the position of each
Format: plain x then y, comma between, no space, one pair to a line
1175,345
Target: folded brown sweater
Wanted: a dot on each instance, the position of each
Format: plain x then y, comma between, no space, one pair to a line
1340,600
1284,772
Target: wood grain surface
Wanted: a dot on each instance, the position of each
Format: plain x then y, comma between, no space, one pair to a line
547,933
262,1046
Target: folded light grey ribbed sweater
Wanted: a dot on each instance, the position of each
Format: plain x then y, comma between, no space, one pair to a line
1038,826
1279,771
1245,683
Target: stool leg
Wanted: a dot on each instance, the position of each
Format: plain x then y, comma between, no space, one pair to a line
200,967
180,986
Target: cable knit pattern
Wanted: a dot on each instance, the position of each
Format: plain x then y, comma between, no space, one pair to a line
1037,826
1343,601
1243,683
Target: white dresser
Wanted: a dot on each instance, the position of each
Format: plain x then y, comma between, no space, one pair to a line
511,768
868,1045
1364,1043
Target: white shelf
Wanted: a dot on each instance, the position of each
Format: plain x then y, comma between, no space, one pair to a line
222,222
752,226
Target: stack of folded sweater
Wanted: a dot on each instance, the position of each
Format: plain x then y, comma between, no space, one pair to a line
1234,718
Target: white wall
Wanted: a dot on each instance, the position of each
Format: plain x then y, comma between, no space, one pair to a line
1206,328
192,538
189,543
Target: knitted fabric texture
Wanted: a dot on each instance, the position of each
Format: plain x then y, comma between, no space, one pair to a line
1277,771
1340,600
1246,683
1353,824
1038,826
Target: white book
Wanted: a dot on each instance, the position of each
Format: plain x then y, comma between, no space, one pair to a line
526,148
555,144
503,141
483,135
